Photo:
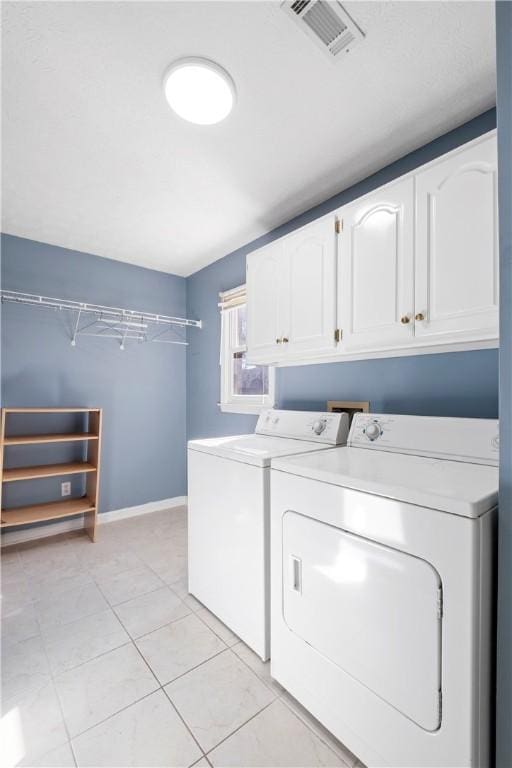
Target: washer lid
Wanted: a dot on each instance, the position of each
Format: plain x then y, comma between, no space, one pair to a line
254,449
449,486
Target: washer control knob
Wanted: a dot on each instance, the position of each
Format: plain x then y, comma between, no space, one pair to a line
373,431
319,426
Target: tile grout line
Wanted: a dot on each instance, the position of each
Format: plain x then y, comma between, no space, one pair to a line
134,597
156,574
315,731
277,695
240,727
173,705
278,698
196,666
83,568
152,631
87,661
43,638
113,714
52,680
133,640
73,753
68,623
59,702
131,704
245,721
146,663
160,686
211,628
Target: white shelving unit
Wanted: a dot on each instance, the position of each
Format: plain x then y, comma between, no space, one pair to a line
108,322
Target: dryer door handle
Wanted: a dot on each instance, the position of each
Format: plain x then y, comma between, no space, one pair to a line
296,573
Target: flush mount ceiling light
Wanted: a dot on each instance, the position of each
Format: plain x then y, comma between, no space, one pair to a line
199,91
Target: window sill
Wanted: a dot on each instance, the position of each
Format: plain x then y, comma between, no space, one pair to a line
243,407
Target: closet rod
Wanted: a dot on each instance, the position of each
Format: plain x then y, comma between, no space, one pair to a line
108,322
117,313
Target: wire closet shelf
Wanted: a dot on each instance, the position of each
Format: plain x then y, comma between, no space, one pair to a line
108,322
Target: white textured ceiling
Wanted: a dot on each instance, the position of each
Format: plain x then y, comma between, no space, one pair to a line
94,160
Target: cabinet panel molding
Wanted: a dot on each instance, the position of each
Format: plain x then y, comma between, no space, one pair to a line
264,278
456,244
376,294
311,288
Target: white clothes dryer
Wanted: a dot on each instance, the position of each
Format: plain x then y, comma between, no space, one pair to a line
382,587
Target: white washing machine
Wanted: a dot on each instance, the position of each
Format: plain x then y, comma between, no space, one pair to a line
229,514
382,587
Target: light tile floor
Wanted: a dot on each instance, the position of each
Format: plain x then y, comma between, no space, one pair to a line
108,661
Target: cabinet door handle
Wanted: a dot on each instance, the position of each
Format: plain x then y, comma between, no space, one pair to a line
420,316
285,340
405,319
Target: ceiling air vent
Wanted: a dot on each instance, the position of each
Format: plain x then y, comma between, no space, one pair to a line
327,23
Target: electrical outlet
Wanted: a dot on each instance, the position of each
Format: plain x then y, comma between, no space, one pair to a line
65,489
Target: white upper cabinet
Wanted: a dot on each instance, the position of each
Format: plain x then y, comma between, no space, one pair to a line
457,245
376,269
291,295
264,285
414,268
309,314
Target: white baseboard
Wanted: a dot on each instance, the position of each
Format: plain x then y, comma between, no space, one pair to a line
40,532
141,509
64,526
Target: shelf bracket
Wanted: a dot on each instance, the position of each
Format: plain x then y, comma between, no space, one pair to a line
73,340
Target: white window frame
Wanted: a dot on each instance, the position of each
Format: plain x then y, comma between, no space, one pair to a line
230,402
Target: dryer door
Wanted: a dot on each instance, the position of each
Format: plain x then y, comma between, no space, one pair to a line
371,610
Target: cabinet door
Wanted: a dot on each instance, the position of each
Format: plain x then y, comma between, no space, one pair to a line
264,285
457,245
376,285
308,301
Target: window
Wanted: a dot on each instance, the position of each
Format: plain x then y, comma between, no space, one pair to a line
245,388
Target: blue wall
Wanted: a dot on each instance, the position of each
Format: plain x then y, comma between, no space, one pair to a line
142,390
449,384
504,100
